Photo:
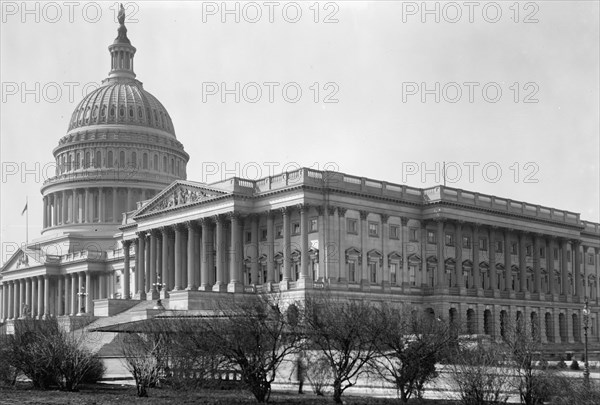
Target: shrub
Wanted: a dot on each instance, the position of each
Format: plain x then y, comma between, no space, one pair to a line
561,364
574,365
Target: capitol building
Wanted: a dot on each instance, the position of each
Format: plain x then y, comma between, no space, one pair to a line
133,230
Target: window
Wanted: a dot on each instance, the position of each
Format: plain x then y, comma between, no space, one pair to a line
412,234
313,225
542,252
145,161
98,159
263,234
394,232
514,249
528,250
449,239
393,269
248,236
590,258
279,231
109,160
155,167
499,246
122,159
555,254
352,271
296,228
118,279
373,271
568,255
466,243
133,159
351,225
374,229
431,237
412,271
483,244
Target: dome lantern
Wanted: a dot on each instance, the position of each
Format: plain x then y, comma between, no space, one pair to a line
121,52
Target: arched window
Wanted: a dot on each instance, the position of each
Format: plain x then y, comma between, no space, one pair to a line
77,160
122,111
103,111
98,159
122,159
86,164
145,161
130,112
164,164
62,164
112,111
140,114
155,167
69,162
95,112
109,159
133,159
177,167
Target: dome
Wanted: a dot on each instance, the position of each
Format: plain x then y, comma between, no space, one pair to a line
121,102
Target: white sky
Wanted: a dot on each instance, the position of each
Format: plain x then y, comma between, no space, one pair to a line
368,54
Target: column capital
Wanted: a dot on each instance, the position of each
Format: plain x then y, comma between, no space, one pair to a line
576,242
404,221
284,211
179,227
234,215
191,225
303,207
341,211
252,216
320,210
141,234
218,219
206,221
439,219
384,218
331,210
269,213
363,214
126,243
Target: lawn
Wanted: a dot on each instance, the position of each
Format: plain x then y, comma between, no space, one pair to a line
119,395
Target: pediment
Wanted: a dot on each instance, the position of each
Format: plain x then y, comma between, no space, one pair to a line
177,195
22,259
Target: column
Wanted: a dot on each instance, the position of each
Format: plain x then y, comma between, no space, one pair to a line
424,280
286,244
46,296
550,264
475,248
441,280
537,266
152,293
492,259
254,248
34,295
576,245
207,265
564,268
101,208
126,270
219,254
385,237
16,303
86,206
64,205
146,286
44,217
89,291
323,237
2,304
74,206
141,265
128,202
191,257
115,212
164,259
55,209
21,296
10,300
103,281
67,309
60,309
74,297
341,239
270,247
178,255
364,262
40,296
160,281
404,252
522,262
304,240
136,278
460,279
234,259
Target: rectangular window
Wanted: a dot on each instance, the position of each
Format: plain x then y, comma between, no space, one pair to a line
568,255
412,234
542,252
499,246
412,271
263,234
248,236
351,225
528,250
431,237
555,254
483,244
313,225
374,229
373,271
466,242
279,231
393,268
394,232
590,259
514,249
352,271
296,228
449,239
118,279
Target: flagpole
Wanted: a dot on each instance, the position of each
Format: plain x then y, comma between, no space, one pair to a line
26,222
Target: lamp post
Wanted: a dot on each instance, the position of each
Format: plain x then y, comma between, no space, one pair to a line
586,367
159,286
82,294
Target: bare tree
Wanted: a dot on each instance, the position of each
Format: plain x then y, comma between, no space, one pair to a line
318,372
347,334
409,348
479,375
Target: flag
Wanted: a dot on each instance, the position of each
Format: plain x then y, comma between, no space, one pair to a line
24,209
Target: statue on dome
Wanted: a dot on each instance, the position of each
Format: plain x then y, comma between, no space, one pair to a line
121,15
122,31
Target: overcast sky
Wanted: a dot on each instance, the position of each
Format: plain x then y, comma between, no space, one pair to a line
378,68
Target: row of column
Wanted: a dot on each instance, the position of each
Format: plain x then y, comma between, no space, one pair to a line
42,296
90,205
194,255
